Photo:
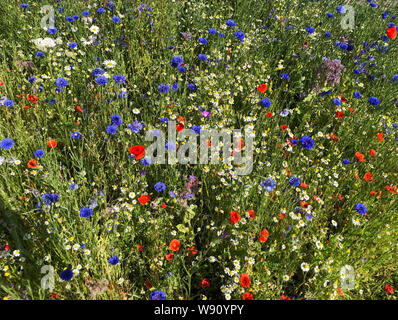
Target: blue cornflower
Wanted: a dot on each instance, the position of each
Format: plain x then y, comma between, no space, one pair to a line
268,184
119,78
170,145
113,260
32,80
146,161
310,29
72,45
101,80
337,101
221,35
212,31
164,119
340,9
159,187
394,78
294,181
239,35
385,15
61,82
24,6
330,15
202,40
73,186
176,61
196,129
157,295
307,142
357,95
182,69
202,57
136,127
192,87
52,30
361,208
266,102
163,88
50,198
75,135
8,103
293,141
328,34
374,101
230,23
100,10
7,143
285,75
343,46
346,161
39,153
175,86
98,72
67,274
116,19
39,54
85,13
116,120
111,129
86,212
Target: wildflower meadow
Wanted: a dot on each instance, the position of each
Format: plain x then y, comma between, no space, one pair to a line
198,150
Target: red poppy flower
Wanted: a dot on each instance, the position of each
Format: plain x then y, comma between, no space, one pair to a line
380,137
389,289
392,32
140,247
234,217
251,214
144,199
174,245
148,284
26,106
169,256
360,156
262,88
179,127
1,83
32,98
163,206
245,280
192,251
263,235
368,176
137,151
269,115
339,114
205,283
247,296
283,127
52,143
285,297
372,152
78,108
32,163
